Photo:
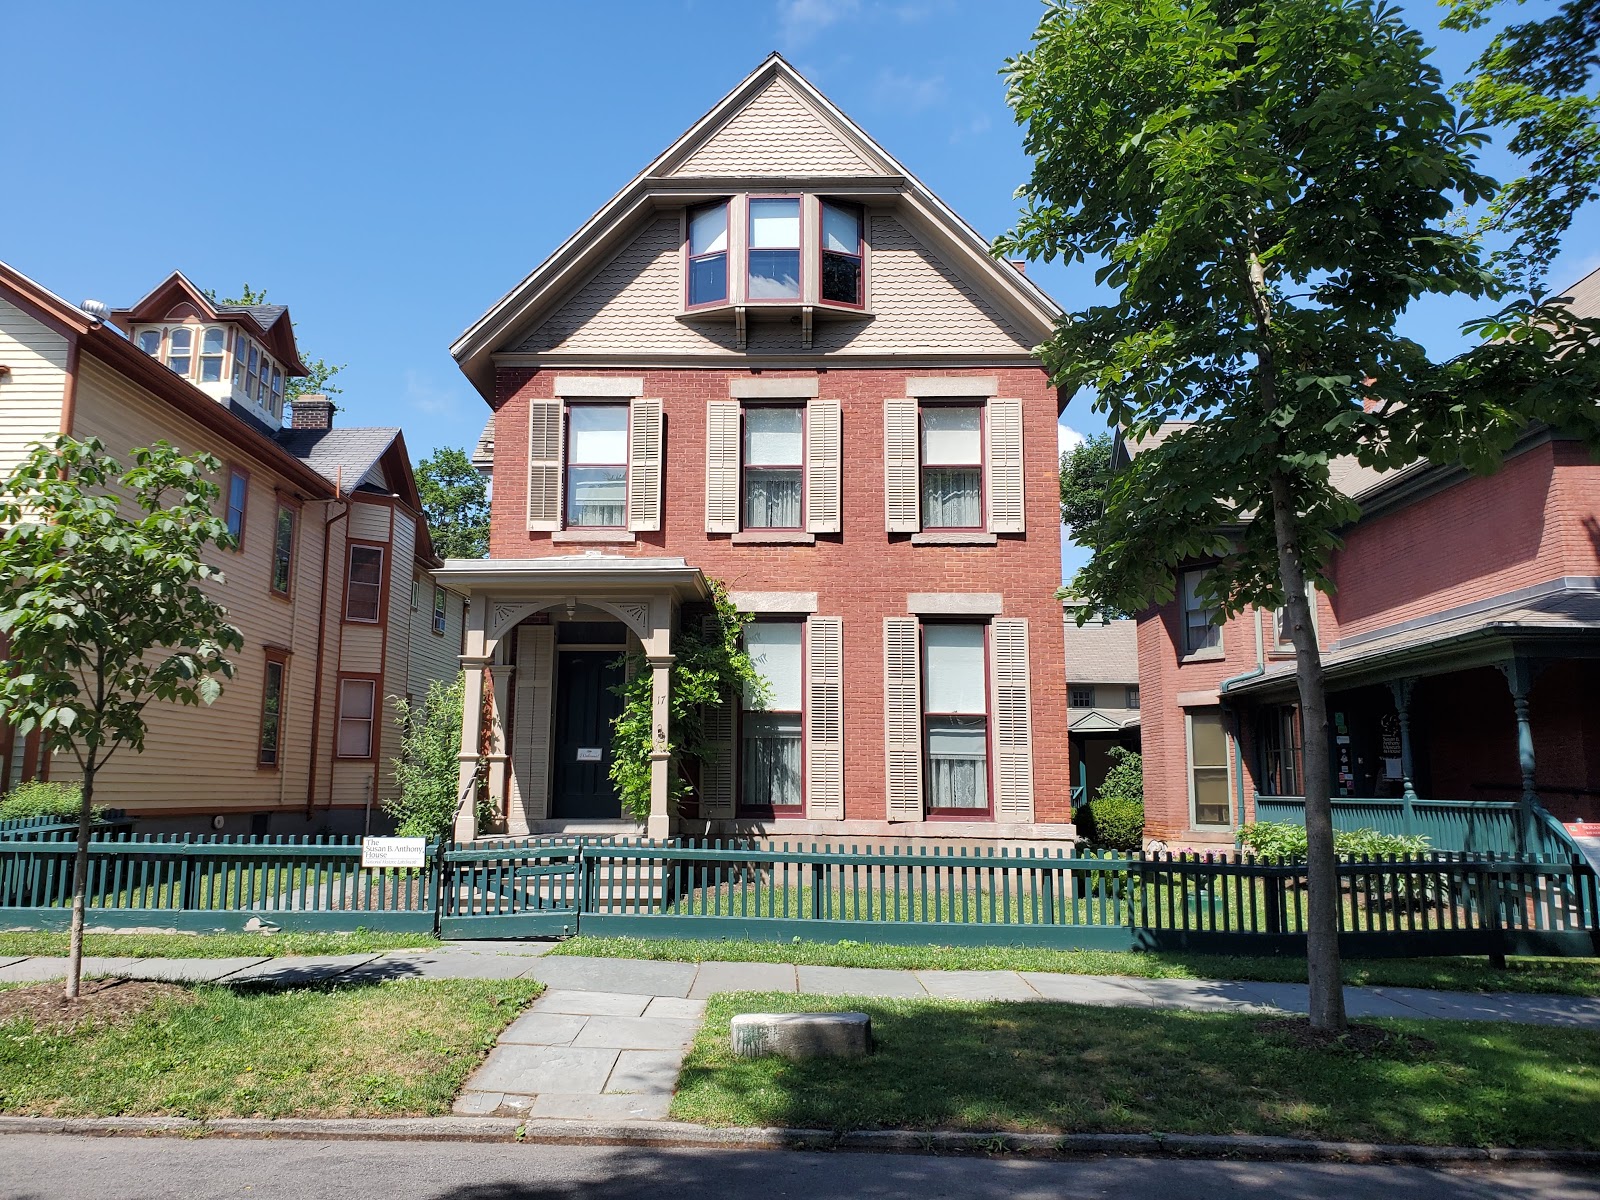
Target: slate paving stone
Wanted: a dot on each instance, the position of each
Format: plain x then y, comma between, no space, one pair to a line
566,1106
439,965
35,970
592,1004
714,977
544,1029
1290,997
519,949
477,1104
858,981
1086,989
615,975
188,970
637,1033
1202,995
671,1006
6,962
1362,1003
530,1070
298,970
650,1072
976,985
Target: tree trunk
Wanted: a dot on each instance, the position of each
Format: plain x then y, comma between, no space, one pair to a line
1322,876
80,886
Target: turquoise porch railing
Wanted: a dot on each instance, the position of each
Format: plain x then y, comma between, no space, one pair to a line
1462,826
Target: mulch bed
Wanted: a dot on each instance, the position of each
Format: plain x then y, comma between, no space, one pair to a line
1364,1040
99,1002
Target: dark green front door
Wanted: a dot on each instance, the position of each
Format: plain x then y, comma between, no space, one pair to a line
585,708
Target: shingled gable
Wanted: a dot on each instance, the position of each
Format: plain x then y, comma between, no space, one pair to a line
167,300
724,151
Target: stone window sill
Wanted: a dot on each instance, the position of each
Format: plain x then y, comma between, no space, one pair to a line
938,538
1209,655
616,537
764,537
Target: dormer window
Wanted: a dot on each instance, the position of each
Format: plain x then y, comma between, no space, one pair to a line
179,343
841,254
150,342
774,248
708,255
212,342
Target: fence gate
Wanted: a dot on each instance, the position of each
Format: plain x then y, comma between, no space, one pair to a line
511,889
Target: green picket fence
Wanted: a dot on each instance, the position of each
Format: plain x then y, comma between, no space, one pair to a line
213,883
110,823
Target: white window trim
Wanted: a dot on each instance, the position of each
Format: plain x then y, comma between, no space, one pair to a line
1227,770
1205,652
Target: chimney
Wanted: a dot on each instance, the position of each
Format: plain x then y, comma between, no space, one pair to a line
1021,265
311,411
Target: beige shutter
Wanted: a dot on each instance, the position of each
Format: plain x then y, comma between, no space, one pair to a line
1013,719
902,719
901,492
544,464
1005,467
530,732
716,771
824,756
644,465
722,466
822,466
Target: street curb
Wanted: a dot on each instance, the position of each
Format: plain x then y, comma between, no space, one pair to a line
679,1135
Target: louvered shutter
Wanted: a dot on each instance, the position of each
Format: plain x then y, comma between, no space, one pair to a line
822,466
544,464
902,719
1005,467
722,466
530,733
901,491
716,770
824,756
1013,719
644,465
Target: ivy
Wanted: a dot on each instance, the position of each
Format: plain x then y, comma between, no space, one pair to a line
710,666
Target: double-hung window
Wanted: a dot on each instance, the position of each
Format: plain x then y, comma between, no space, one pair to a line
773,460
283,549
150,342
238,494
841,273
1202,628
1133,695
1280,751
708,255
1208,767
956,717
180,344
272,711
770,754
358,706
597,466
951,437
212,342
774,248
363,599
250,372
439,612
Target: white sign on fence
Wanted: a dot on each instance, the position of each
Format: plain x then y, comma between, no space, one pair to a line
393,852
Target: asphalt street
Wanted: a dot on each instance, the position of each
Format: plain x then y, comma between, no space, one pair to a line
37,1165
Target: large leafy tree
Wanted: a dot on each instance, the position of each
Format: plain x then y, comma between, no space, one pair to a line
455,501
1085,472
1269,185
103,609
1539,81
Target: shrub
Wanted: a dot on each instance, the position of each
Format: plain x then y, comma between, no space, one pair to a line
1114,819
429,768
1284,839
39,799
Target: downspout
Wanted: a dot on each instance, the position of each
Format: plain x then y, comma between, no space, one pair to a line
1238,717
322,642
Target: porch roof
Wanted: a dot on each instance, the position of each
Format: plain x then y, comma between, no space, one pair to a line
1564,619
577,573
1103,720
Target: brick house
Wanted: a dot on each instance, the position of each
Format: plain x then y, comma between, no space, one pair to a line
776,360
1461,646
331,583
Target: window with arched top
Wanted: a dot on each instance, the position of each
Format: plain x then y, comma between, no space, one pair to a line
180,345
212,343
150,342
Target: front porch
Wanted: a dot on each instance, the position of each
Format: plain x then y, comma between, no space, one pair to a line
546,643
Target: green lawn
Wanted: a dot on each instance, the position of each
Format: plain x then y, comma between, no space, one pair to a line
1066,1068
212,945
390,1049
1564,976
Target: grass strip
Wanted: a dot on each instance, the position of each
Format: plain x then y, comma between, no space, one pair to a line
212,945
1071,1069
392,1049
1561,976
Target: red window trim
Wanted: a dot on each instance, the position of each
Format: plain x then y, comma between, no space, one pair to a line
799,249
741,809
982,406
383,589
377,714
860,254
281,504
689,259
744,407
231,470
626,464
440,614
273,655
929,812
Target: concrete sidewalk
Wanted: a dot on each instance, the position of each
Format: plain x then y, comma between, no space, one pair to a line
695,981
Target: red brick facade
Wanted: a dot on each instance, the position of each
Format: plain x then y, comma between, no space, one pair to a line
862,574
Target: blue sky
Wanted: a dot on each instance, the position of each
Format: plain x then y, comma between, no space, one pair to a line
390,170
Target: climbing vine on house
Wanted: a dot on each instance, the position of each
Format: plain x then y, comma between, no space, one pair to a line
710,667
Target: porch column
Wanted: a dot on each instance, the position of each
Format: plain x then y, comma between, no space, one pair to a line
500,678
660,823
1519,675
1402,707
466,826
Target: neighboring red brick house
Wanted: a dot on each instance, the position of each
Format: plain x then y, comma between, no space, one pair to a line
777,360
1461,643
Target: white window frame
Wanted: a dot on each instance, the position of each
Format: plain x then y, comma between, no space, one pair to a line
1192,651
1189,769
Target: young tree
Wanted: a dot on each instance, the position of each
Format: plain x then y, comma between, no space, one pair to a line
429,766
1269,186
455,500
102,609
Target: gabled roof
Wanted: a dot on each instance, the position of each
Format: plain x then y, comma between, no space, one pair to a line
483,452
268,322
831,148
359,458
